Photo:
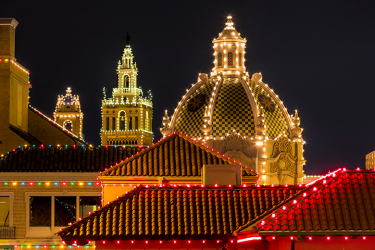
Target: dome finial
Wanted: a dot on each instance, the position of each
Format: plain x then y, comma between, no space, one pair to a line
229,23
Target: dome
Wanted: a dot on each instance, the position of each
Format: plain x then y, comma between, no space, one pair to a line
240,116
231,104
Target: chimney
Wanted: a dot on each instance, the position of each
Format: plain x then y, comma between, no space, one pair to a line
222,175
8,36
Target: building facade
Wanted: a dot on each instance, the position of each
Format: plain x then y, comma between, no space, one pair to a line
68,112
127,116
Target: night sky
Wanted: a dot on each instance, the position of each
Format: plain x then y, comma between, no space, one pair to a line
318,56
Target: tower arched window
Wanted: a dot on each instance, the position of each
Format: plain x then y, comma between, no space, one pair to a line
130,123
113,123
107,123
122,120
230,58
220,59
126,81
239,59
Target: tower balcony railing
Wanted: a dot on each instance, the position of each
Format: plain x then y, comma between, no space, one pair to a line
135,103
126,90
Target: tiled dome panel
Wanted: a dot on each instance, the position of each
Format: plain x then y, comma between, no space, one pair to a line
275,121
189,122
232,110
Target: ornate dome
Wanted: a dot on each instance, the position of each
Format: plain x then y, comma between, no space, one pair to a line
241,117
230,103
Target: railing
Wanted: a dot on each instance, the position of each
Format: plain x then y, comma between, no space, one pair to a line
7,232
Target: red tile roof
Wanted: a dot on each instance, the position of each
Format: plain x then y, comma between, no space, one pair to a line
177,213
64,158
175,155
342,202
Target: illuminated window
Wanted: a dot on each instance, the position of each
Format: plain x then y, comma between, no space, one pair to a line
113,123
88,204
107,123
40,211
122,120
230,58
220,59
239,59
4,211
65,210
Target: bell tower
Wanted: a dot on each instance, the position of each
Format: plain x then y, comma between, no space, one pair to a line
127,116
68,112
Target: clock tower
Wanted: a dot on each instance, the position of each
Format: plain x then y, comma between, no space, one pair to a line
68,112
127,116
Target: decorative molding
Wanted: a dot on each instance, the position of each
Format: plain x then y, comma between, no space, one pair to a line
235,142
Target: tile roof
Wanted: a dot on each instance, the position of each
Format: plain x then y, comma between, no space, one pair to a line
175,155
176,213
342,202
64,159
58,126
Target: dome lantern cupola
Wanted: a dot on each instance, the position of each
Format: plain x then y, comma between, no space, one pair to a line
229,52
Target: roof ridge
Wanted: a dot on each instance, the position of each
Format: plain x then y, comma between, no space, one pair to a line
308,187
55,124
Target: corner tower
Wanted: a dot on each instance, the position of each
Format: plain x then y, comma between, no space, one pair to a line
127,116
68,112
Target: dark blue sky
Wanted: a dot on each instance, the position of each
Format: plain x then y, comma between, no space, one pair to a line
318,56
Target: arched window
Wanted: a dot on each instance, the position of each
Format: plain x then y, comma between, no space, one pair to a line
130,123
239,59
126,81
122,120
136,123
113,123
230,58
68,125
220,59
107,123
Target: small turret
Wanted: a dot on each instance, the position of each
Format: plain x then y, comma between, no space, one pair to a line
166,130
296,130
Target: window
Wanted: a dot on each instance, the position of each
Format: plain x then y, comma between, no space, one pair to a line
107,123
40,211
136,123
126,81
68,125
88,204
122,120
65,210
4,211
113,123
220,59
130,123
230,58
239,59
146,121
